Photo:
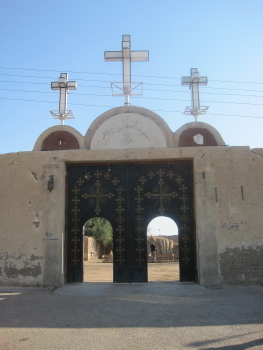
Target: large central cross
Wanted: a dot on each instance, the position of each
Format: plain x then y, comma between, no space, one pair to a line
64,86
194,81
161,194
126,56
98,195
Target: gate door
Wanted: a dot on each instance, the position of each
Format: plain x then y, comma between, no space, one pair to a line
129,197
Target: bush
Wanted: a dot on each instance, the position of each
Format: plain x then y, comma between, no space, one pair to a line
101,229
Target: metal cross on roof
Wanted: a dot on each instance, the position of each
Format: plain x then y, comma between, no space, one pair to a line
64,86
126,56
194,81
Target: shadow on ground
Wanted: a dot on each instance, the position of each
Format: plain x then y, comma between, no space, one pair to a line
103,305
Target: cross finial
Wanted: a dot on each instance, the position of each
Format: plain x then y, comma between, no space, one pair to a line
126,56
194,81
64,86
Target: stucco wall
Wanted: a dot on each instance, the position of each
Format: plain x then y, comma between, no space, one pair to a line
31,253
229,224
239,220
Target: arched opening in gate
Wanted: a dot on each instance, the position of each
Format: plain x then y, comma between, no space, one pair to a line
97,250
163,250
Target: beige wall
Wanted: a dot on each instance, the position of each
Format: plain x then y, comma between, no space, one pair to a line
229,228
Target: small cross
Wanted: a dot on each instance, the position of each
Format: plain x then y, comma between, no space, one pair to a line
119,210
160,172
75,210
75,190
75,250
119,189
120,219
120,260
138,188
139,228
80,182
139,249
139,218
184,218
64,86
170,174
151,175
139,209
139,239
183,188
75,240
184,197
194,81
75,219
138,198
119,200
75,261
120,249
140,261
143,180
107,176
126,56
184,208
88,176
97,174
120,229
185,228
75,200
75,230
186,260
115,181
178,179
120,239
185,239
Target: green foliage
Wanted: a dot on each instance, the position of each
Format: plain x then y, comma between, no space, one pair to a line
101,229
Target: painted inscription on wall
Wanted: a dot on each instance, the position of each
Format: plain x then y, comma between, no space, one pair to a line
240,230
235,226
128,130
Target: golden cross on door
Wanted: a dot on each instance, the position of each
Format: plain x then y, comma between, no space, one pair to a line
162,194
97,195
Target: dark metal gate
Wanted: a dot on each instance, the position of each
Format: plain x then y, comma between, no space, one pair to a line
129,197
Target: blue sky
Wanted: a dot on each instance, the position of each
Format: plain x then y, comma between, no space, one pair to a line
41,39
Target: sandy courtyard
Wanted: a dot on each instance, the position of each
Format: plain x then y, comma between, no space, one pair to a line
96,271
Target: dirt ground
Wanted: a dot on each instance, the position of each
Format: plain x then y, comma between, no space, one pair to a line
96,271
137,316
161,315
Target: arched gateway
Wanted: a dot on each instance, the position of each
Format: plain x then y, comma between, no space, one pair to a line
130,196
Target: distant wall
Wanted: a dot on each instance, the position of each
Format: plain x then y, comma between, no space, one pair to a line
92,248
